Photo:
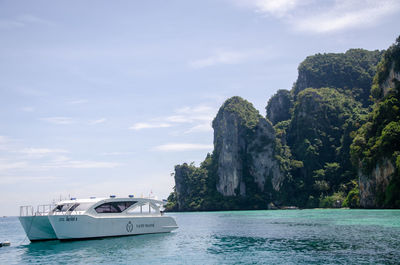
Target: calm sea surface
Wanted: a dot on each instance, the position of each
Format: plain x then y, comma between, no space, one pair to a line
240,237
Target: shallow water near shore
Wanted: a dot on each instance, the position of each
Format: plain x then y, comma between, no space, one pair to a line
235,237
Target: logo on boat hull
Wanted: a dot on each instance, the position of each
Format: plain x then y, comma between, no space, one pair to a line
129,227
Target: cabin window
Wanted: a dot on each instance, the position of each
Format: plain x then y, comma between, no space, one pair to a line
142,208
114,207
62,207
80,206
124,205
73,207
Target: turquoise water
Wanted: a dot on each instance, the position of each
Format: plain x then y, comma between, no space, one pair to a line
240,237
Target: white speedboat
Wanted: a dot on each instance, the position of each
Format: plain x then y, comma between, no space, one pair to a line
96,217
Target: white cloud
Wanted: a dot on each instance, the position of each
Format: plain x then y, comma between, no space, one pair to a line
6,143
22,21
28,109
10,24
30,19
278,8
80,164
347,14
196,114
221,57
117,153
325,16
55,163
198,117
7,165
40,152
94,122
32,161
145,125
4,139
24,179
229,57
58,120
196,109
178,119
62,161
204,127
183,147
78,101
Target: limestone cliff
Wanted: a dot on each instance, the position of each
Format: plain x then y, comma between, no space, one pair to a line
376,146
390,82
279,106
241,173
244,144
375,183
182,173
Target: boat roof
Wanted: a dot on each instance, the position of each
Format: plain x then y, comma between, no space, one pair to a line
109,199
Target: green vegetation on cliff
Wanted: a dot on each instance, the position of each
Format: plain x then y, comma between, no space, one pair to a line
248,115
351,72
318,136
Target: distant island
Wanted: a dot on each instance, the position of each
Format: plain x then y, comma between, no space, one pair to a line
333,140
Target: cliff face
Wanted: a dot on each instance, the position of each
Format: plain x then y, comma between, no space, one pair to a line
264,167
244,142
279,106
376,147
390,82
375,183
230,144
181,184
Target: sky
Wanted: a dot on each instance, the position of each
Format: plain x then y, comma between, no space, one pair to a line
106,97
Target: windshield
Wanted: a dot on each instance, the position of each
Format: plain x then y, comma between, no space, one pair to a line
62,207
81,206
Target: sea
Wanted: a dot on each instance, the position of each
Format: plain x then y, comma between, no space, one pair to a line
317,236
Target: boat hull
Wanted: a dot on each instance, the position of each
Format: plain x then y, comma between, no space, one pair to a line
37,228
70,227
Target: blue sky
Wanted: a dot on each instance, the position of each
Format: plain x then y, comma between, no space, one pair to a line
105,97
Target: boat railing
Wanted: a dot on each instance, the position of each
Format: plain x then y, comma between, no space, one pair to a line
26,210
44,209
